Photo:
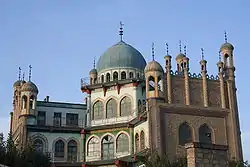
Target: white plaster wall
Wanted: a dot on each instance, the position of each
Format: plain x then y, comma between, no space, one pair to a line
51,110
134,93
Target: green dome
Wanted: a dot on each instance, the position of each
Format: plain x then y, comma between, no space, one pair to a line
121,55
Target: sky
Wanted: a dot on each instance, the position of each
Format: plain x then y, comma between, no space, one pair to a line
60,39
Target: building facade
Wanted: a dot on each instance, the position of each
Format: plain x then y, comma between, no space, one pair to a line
131,107
54,128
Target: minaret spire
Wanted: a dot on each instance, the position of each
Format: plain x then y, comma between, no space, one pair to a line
219,57
94,63
19,73
225,35
167,48
121,29
30,67
202,53
185,50
180,45
153,51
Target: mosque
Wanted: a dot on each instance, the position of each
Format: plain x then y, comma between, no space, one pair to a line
133,106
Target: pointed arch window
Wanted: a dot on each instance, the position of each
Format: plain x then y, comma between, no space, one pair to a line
39,146
108,77
93,147
142,140
32,102
111,109
59,149
122,143
131,75
24,102
137,143
123,75
102,78
205,134
125,109
72,151
185,134
98,110
108,147
115,76
160,84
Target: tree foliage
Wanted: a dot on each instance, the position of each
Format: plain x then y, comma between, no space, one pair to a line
27,156
153,159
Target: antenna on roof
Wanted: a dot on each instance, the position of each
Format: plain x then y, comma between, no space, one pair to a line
153,51
19,73
121,29
30,67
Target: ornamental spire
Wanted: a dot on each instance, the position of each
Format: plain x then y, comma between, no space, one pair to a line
19,73
202,54
153,51
225,36
167,47
121,30
180,45
30,67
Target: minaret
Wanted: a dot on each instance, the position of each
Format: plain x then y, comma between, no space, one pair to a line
203,64
28,114
16,101
179,60
93,75
154,74
220,66
168,76
185,67
233,125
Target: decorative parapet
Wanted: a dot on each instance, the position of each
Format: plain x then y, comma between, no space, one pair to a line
194,75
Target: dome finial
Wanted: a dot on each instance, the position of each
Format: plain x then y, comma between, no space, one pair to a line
19,73
153,51
121,29
219,57
167,48
180,45
94,63
225,35
202,53
23,75
30,67
185,50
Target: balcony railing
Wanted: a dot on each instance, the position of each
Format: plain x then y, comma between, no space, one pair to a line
98,155
107,121
63,122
